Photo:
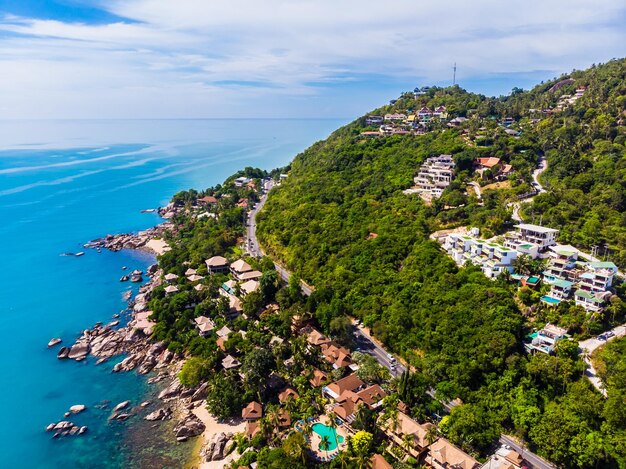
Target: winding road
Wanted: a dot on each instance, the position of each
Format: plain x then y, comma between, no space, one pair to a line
542,165
588,346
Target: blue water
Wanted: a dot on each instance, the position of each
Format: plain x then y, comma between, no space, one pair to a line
63,183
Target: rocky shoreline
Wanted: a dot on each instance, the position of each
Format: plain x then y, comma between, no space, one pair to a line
107,341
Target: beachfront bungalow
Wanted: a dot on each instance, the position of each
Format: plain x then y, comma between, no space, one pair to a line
240,267
207,200
539,235
406,426
444,455
217,265
252,429
253,411
230,362
205,325
170,277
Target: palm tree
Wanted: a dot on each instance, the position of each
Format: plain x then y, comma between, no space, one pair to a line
431,437
407,442
333,424
522,264
325,444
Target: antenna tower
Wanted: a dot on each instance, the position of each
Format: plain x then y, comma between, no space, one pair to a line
454,75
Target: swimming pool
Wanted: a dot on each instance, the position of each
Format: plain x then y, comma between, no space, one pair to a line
550,300
324,430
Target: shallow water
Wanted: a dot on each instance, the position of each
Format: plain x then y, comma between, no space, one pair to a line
63,183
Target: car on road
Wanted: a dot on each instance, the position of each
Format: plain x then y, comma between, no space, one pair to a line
609,334
391,358
601,337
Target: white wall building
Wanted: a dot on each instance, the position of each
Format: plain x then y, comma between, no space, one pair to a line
493,258
539,235
435,175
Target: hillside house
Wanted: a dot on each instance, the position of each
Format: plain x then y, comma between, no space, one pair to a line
539,235
545,340
240,267
592,301
373,120
217,265
493,258
205,325
434,176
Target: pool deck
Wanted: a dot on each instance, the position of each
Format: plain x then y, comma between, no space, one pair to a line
322,455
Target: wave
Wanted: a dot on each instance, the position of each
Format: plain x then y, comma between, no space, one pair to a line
24,169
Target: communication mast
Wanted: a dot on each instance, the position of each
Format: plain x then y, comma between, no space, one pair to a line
454,75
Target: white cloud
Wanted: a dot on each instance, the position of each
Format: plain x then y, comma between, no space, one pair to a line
243,58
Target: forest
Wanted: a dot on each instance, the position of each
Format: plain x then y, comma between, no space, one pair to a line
342,223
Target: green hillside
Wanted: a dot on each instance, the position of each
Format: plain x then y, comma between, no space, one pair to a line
342,222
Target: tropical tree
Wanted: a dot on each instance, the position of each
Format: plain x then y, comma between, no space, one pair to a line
295,446
325,444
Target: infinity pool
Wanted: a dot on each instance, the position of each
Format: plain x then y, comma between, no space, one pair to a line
324,430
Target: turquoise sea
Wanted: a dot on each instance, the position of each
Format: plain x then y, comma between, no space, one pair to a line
63,183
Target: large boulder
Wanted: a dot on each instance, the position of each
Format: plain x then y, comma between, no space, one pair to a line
77,408
121,406
159,414
171,391
220,444
200,393
79,350
189,427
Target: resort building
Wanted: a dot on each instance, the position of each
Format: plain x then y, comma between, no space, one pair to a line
230,362
241,181
559,289
253,411
336,354
545,340
217,265
319,378
562,264
505,458
598,276
444,455
240,267
592,302
405,425
539,235
373,120
350,392
379,462
434,176
522,247
493,258
205,325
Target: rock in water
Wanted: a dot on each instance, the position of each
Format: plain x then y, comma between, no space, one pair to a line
121,406
189,427
75,409
160,414
79,351
54,342
63,352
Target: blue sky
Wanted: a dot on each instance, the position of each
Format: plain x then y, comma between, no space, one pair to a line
279,58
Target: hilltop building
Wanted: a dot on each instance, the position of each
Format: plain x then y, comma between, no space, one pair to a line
434,176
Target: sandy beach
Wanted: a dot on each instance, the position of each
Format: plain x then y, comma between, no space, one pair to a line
158,246
213,427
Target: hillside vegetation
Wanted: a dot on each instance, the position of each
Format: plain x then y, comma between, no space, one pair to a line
341,222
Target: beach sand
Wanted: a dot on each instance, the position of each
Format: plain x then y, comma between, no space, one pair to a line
158,246
213,427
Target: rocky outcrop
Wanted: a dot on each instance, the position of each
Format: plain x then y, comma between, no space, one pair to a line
188,427
65,428
79,350
200,393
121,406
172,391
63,352
77,408
130,240
54,342
159,414
216,449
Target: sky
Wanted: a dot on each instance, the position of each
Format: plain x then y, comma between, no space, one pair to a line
283,58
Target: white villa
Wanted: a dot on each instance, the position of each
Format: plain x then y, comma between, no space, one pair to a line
539,235
435,175
492,257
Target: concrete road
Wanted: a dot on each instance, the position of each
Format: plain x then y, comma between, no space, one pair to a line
541,167
589,345
535,461
365,344
252,243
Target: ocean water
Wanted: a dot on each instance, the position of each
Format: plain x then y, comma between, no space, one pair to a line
63,183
